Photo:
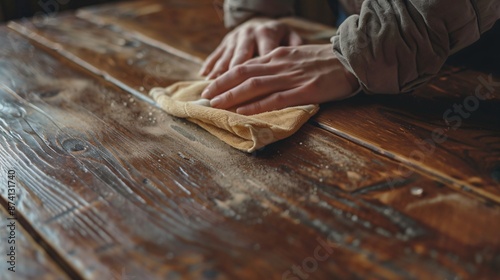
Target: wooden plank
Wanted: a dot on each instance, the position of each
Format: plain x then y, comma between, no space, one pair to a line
466,155
117,57
71,36
190,29
466,160
448,213
106,52
110,54
31,261
204,209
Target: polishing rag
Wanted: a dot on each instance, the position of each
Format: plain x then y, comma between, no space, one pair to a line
245,133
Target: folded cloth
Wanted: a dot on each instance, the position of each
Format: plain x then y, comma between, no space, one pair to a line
246,133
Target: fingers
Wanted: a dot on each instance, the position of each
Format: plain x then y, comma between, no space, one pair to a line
251,89
257,60
244,50
209,63
222,64
276,101
239,47
234,77
277,53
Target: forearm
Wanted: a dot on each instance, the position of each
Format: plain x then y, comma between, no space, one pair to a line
395,46
238,11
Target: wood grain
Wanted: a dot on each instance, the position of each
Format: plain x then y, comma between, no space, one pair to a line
32,262
423,130
190,29
127,62
396,126
151,196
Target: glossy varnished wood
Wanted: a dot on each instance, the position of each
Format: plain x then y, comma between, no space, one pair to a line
145,194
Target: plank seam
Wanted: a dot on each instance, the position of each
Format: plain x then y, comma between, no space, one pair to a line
41,41
432,173
447,180
57,259
86,16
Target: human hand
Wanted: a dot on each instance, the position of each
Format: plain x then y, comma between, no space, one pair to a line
287,76
258,36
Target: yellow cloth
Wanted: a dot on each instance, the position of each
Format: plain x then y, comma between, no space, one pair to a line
246,133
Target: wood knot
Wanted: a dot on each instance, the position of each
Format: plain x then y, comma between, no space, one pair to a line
74,145
48,93
129,43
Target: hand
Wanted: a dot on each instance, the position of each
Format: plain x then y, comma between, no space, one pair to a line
258,36
287,76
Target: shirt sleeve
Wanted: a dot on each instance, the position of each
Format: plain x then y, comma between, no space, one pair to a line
238,11
394,46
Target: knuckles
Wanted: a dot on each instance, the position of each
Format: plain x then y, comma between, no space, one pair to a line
255,107
240,71
228,97
281,51
254,83
313,85
284,51
265,31
279,99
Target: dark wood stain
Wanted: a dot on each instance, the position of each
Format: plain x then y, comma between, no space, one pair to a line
117,187
189,28
390,125
402,127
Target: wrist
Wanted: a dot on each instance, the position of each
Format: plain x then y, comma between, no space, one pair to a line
352,80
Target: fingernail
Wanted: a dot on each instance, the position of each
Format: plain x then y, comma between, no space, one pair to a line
204,93
216,101
240,110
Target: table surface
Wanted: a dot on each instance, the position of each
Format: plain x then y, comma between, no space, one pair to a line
110,187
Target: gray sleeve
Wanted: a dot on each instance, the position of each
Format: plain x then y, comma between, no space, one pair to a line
394,46
238,11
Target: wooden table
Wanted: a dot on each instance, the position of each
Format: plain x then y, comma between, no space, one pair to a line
107,186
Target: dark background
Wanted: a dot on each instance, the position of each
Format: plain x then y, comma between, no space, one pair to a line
484,54
14,9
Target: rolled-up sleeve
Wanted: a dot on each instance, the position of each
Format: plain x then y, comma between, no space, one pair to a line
238,11
393,46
